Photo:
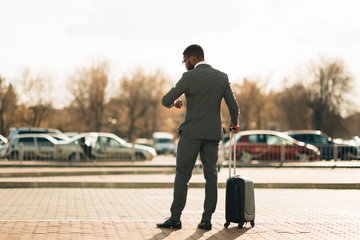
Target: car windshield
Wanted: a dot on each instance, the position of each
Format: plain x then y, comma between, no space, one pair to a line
163,140
107,142
27,140
120,140
276,140
320,139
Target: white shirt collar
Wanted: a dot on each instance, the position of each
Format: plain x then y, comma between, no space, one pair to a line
202,62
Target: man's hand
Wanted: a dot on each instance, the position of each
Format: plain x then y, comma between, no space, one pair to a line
178,103
233,128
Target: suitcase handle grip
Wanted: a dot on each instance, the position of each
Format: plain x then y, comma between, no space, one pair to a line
232,152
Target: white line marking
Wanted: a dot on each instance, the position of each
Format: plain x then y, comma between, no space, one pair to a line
192,211
184,220
168,197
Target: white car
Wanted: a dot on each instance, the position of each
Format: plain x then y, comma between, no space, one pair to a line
32,130
3,146
163,142
103,146
33,147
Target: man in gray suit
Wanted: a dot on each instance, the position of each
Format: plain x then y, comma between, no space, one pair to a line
204,88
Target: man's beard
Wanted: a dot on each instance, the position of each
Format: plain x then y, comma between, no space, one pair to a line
190,66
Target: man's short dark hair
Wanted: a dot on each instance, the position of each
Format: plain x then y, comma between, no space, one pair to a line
194,50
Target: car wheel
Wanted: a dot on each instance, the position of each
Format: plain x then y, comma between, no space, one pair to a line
14,156
345,156
71,157
245,157
139,156
303,156
74,158
31,156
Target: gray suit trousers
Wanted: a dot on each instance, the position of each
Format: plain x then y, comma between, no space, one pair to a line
188,150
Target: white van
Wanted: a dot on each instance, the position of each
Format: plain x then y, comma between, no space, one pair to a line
163,142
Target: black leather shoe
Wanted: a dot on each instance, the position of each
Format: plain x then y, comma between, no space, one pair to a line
206,225
169,223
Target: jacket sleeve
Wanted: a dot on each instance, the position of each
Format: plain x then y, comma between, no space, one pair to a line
175,92
232,105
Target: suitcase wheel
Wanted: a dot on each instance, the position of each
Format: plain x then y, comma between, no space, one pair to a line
252,223
241,224
226,224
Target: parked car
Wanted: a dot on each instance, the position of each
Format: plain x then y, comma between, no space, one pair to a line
71,134
144,141
59,136
163,142
33,130
43,147
104,146
326,145
271,145
3,146
33,147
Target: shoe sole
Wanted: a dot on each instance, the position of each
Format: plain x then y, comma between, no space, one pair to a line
173,227
205,228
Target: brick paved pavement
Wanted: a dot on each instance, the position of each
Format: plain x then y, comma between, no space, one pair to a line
85,213
113,213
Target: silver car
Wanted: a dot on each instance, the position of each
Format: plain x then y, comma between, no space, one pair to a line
3,146
103,146
44,147
33,147
33,130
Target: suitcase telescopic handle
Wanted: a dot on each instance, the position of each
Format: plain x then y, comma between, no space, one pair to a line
232,152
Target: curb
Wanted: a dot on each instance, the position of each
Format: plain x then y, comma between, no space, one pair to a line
172,163
83,165
87,173
349,186
27,165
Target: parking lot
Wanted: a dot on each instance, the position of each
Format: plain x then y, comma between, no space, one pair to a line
27,144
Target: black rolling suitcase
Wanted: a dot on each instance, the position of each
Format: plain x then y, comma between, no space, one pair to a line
240,197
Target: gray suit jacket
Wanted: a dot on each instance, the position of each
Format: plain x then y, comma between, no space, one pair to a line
204,88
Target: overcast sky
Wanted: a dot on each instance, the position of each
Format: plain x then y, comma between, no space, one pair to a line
269,39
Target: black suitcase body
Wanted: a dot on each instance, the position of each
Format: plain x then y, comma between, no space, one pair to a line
240,201
240,196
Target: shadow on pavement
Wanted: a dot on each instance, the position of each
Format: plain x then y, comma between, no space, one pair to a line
165,232
225,233
229,233
196,235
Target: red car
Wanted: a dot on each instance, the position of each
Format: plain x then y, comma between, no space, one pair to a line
272,145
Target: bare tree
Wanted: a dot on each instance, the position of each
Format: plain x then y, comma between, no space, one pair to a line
8,105
352,123
294,108
35,97
154,116
140,98
252,102
330,83
88,87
